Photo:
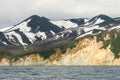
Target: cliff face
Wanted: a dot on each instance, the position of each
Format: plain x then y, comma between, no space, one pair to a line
88,51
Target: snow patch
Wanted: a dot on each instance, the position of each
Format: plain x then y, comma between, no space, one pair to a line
115,27
10,37
66,24
5,43
57,37
99,21
86,29
88,33
4,29
22,27
32,36
85,20
66,31
94,22
41,34
52,32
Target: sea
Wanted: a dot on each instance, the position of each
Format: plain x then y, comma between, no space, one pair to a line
60,73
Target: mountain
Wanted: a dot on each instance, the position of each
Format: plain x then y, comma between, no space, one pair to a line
40,35
102,20
37,28
26,32
34,29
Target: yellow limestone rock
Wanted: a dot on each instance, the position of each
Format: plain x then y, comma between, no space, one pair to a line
4,61
87,52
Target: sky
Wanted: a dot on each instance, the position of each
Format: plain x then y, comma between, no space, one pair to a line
14,11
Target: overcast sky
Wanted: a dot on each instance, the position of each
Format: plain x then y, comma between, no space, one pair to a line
14,11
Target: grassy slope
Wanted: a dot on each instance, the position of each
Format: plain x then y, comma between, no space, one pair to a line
45,53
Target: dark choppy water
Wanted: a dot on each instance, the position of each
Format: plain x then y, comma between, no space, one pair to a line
59,73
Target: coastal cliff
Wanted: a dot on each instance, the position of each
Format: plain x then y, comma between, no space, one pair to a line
87,51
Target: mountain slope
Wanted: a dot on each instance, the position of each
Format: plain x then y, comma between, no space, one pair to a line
70,23
101,20
37,28
32,29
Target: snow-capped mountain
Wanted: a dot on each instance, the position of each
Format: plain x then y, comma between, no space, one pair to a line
37,28
26,32
101,20
93,26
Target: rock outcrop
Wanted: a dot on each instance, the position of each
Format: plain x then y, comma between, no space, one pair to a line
87,51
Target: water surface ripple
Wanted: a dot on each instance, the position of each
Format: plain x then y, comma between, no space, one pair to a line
60,73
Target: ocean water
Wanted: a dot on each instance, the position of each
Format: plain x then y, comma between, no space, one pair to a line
60,73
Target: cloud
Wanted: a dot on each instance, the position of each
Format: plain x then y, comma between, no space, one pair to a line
14,11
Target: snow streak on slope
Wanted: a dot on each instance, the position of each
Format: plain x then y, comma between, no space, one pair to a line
10,37
52,32
86,29
4,29
115,27
88,33
64,24
32,36
99,21
22,27
95,22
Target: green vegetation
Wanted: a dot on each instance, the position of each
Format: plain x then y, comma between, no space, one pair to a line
49,51
114,42
6,54
47,54
70,45
63,48
115,46
2,53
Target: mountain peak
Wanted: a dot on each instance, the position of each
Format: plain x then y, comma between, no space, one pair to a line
36,17
33,18
101,20
102,17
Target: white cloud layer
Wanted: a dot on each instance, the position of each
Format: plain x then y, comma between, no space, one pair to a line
13,11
